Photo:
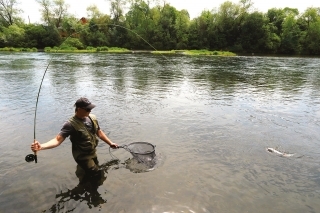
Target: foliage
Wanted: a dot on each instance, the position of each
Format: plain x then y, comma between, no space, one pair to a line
53,37
66,48
34,35
209,53
309,24
9,12
12,36
53,11
12,49
254,33
290,36
164,52
196,52
230,27
71,43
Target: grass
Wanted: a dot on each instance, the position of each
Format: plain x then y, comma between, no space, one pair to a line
14,49
164,52
209,53
87,50
196,52
104,49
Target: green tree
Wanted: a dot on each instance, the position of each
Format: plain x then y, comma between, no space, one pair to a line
117,8
276,17
193,38
96,32
117,31
9,12
201,32
228,24
52,37
271,40
12,36
309,23
290,36
53,11
313,38
34,35
166,29
72,42
118,34
310,16
182,28
142,20
93,12
71,26
253,32
46,11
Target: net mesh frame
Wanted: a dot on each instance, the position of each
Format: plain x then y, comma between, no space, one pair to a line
144,152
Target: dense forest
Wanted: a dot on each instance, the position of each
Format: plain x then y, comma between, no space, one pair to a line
135,24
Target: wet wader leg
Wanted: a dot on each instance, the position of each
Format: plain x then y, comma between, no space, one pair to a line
90,166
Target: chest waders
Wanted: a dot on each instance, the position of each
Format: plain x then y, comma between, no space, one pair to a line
84,141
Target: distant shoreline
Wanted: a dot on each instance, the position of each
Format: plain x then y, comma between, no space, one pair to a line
122,51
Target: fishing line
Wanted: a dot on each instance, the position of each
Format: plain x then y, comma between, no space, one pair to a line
33,157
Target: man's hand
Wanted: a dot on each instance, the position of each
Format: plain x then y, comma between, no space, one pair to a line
35,146
114,146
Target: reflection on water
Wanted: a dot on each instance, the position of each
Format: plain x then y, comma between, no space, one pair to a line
86,191
211,118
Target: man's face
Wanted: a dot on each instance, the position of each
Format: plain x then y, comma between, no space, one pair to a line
84,111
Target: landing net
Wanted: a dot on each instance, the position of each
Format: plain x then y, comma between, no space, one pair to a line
143,152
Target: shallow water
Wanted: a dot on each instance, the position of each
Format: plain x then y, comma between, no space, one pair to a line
211,119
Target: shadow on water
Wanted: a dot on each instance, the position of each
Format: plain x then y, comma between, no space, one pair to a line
137,167
87,189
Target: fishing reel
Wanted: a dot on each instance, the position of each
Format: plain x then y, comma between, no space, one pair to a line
31,157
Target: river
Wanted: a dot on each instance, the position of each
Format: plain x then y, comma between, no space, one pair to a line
210,118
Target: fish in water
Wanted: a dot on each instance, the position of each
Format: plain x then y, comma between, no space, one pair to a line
272,150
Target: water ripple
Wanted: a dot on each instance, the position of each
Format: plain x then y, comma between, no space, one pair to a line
211,119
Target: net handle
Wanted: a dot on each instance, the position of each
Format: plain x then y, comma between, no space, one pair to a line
127,149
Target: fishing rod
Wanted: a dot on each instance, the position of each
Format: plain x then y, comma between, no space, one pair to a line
34,157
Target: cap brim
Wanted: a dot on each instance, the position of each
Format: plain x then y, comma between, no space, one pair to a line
91,106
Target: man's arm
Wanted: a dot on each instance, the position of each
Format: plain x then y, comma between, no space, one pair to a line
36,146
103,137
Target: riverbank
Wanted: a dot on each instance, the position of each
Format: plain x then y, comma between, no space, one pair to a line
120,50
196,52
14,49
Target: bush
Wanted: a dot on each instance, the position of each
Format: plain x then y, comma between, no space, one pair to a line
47,49
72,42
90,48
102,49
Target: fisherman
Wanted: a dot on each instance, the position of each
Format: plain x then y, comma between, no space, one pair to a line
84,130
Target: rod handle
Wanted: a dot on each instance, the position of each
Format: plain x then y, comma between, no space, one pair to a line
35,157
35,154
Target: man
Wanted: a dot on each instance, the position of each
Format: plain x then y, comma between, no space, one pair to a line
83,129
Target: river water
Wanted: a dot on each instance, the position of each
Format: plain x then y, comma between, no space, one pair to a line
210,118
